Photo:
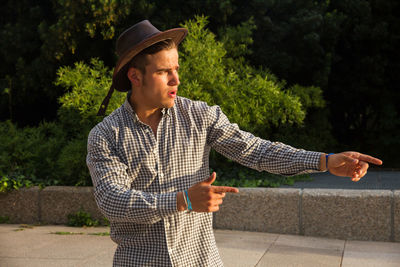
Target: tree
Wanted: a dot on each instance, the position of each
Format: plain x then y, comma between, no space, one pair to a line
363,84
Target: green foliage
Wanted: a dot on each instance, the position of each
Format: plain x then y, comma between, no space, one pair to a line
238,40
310,97
365,71
40,36
254,99
81,218
316,132
71,163
25,156
238,176
80,233
100,234
347,48
87,86
66,233
4,219
255,102
24,73
106,222
16,182
79,19
41,156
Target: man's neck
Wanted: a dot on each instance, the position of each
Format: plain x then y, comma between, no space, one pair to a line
149,116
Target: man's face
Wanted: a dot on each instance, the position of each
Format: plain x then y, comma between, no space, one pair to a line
159,85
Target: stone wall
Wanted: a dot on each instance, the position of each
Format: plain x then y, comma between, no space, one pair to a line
335,213
343,214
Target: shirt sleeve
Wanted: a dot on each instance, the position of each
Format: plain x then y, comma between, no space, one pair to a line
253,152
112,190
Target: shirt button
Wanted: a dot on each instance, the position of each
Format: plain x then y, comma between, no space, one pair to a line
161,175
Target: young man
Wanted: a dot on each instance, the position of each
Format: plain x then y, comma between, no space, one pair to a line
149,159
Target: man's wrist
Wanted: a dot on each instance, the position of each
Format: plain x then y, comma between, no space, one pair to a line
322,163
180,202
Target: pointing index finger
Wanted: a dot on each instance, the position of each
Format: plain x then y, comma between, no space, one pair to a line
225,189
370,159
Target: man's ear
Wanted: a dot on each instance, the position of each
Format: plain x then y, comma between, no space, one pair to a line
135,76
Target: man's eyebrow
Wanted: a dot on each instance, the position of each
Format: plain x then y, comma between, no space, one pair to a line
166,69
163,69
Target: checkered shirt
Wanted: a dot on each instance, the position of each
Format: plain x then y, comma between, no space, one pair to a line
136,176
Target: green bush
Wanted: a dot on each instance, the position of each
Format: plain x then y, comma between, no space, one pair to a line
238,176
31,152
86,85
212,71
16,182
81,218
71,163
4,219
252,100
348,48
41,156
216,72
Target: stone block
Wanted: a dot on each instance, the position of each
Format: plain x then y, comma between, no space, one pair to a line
396,215
270,210
20,206
347,214
57,202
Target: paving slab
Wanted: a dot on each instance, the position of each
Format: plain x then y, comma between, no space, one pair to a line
303,251
238,249
371,254
54,246
29,246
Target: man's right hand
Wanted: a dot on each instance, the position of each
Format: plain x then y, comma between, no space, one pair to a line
205,197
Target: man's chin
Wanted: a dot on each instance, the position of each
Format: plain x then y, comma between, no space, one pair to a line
169,104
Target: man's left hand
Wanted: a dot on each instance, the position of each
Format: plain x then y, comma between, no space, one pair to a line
351,164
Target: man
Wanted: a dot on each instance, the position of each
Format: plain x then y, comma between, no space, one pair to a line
149,158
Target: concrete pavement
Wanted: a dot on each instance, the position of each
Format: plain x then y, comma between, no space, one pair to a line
70,246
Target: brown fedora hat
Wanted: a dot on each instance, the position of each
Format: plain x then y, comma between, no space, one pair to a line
130,43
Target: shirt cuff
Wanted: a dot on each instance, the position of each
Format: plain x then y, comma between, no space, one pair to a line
312,160
167,204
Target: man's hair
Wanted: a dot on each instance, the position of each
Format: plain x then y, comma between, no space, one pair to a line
139,61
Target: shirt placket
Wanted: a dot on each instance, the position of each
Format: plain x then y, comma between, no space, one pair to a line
160,172
153,148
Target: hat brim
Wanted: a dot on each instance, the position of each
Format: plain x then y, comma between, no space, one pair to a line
120,81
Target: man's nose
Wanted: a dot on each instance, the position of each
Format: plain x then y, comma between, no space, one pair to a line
174,80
